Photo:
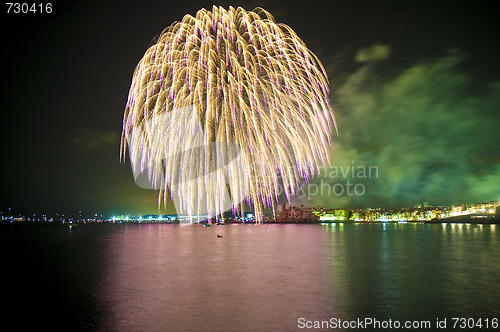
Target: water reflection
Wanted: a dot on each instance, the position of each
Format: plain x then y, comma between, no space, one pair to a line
253,278
415,271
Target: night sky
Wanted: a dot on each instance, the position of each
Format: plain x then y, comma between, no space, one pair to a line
415,87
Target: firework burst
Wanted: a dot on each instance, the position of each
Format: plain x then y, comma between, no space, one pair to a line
240,79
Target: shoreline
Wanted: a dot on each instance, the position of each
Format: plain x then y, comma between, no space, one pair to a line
451,220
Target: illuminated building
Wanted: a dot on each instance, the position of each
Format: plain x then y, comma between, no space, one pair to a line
296,215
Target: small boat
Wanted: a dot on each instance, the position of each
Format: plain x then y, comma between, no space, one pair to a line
219,235
206,225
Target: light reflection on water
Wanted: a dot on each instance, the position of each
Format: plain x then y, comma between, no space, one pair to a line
187,278
259,277
416,271
254,278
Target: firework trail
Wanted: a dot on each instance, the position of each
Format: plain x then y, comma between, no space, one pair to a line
228,98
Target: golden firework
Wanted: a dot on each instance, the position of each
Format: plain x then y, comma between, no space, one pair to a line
245,81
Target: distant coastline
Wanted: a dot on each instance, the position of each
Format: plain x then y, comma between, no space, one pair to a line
468,219
477,213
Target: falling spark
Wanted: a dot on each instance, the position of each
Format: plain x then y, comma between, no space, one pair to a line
252,84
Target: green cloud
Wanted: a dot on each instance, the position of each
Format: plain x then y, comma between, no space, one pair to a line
375,53
432,136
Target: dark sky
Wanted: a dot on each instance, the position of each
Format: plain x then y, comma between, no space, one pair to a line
415,87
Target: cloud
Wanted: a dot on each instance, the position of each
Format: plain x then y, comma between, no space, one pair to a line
431,131
88,138
486,187
376,52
